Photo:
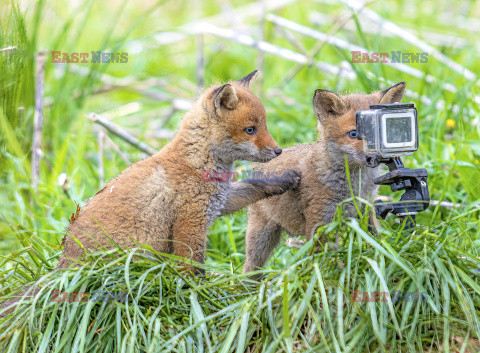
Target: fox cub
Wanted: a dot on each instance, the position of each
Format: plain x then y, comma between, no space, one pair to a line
162,200
324,182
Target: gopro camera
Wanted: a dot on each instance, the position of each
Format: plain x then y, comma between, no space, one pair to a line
388,130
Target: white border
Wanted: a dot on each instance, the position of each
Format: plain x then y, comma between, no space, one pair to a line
411,143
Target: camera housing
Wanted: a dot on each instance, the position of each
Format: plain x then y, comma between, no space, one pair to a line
388,130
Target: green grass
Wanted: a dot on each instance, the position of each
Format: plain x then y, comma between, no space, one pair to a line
309,305
304,304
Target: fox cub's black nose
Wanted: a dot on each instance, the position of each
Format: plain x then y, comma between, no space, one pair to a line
278,151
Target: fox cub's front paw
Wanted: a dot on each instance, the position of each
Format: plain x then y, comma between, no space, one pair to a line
292,178
276,184
279,184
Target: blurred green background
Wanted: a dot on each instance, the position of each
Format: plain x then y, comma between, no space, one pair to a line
175,47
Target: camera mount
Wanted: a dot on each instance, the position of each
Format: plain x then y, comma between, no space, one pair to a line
414,181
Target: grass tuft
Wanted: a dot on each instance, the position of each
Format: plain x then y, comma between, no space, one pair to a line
385,293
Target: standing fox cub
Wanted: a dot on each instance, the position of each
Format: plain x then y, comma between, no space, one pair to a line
324,182
162,201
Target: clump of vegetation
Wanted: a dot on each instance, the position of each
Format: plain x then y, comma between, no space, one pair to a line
396,292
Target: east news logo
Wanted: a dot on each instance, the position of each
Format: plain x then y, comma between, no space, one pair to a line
393,57
97,57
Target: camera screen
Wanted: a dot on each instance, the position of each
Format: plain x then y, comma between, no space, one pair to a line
399,130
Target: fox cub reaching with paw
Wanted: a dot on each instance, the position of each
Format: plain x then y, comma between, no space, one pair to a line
324,181
162,201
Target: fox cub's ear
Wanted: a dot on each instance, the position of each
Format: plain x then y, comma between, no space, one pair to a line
249,80
225,98
326,103
393,94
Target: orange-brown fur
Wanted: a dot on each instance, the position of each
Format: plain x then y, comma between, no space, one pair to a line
162,201
324,184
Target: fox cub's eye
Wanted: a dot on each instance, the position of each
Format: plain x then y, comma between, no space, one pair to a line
352,134
250,130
